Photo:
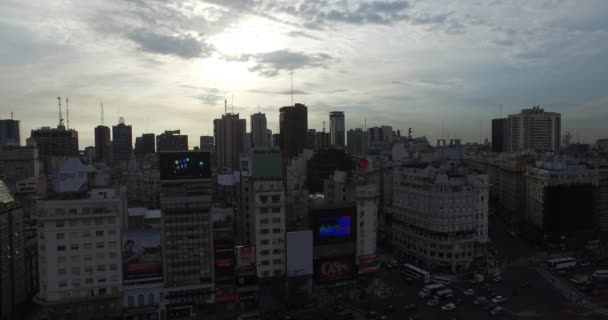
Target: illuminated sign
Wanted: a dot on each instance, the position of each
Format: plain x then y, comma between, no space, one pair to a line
185,165
141,255
335,269
334,226
362,164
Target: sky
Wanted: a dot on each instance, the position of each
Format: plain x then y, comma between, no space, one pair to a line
442,68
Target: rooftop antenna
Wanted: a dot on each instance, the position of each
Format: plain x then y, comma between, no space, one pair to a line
60,116
291,72
258,108
12,116
365,124
232,104
323,126
500,111
102,122
118,113
67,111
225,106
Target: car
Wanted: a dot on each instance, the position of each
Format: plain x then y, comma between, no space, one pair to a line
432,302
497,279
448,307
411,306
469,292
480,300
499,299
497,311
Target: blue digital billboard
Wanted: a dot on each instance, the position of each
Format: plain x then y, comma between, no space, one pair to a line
334,226
185,165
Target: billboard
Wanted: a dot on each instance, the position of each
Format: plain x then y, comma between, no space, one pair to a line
142,255
185,165
299,253
70,174
334,225
368,263
224,262
245,259
334,269
225,295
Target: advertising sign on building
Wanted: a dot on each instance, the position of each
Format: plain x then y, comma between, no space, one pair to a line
334,269
334,225
299,253
368,263
70,174
245,259
225,295
185,165
141,255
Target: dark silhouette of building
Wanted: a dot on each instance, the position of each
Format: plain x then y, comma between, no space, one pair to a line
9,133
207,144
122,142
259,133
102,144
230,140
293,126
149,144
55,141
322,166
317,140
337,129
171,140
499,135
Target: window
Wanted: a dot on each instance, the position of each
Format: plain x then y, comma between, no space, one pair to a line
112,232
265,262
74,235
74,246
113,267
88,269
99,245
101,267
88,246
99,233
140,300
75,258
264,221
276,230
264,231
150,299
42,235
276,261
131,301
265,273
61,271
86,234
276,272
101,280
113,244
276,209
88,257
100,256
88,280
59,224
76,283
63,283
73,211
60,236
61,248
276,220
264,252
99,221
76,271
276,251
265,242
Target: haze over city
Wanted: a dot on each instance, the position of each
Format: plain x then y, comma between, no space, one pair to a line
440,68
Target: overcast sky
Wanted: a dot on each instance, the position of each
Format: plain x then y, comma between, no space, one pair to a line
438,67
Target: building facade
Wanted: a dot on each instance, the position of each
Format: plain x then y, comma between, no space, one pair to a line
9,133
293,126
337,129
358,142
230,135
18,163
533,130
103,145
55,141
171,140
316,140
259,134
122,142
499,135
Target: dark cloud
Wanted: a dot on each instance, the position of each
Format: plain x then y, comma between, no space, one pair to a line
284,92
270,64
295,34
503,42
210,99
183,46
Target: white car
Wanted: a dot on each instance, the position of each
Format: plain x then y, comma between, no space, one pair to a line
432,302
448,307
499,299
496,311
469,292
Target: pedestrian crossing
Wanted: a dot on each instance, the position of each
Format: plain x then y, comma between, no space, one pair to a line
357,313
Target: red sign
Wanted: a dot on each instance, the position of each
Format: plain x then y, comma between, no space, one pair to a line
225,295
362,164
371,256
335,269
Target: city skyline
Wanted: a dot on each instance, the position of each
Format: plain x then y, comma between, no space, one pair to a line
442,70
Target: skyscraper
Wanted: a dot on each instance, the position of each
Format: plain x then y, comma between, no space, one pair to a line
499,135
148,140
293,126
9,133
534,129
102,144
207,144
358,142
230,134
122,142
171,140
55,141
337,129
259,136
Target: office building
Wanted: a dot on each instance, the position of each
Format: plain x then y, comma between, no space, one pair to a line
58,141
122,142
149,144
187,233
440,218
171,140
9,133
533,130
358,142
207,144
13,296
499,135
380,136
293,126
337,129
230,140
103,145
79,249
259,131
19,163
317,140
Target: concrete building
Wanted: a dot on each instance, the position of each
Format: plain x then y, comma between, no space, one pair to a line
230,135
19,163
601,198
533,130
259,133
122,143
13,294
186,234
316,140
293,126
55,141
148,144
207,144
499,135
380,136
358,142
296,192
367,198
441,215
337,129
171,140
555,188
9,133
79,249
267,213
103,145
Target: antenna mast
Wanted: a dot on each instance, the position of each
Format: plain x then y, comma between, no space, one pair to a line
225,106
67,111
102,113
60,116
291,72
232,104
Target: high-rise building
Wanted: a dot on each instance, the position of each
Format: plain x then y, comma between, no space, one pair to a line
533,129
269,137
207,144
317,140
259,134
102,144
79,251
230,140
337,129
380,136
358,142
186,233
293,126
9,133
13,295
499,135
171,140
55,141
18,163
149,144
122,142
440,217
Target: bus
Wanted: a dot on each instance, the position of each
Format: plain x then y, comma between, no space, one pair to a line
600,275
430,290
441,279
416,273
561,263
445,293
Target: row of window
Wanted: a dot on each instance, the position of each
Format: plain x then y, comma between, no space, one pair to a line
88,269
86,246
267,231
85,222
86,257
266,220
276,272
274,241
267,252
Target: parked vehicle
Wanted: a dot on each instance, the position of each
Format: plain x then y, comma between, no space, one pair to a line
416,273
411,307
480,300
448,307
430,290
444,294
497,279
469,292
441,279
579,278
561,263
497,311
499,299
432,302
600,275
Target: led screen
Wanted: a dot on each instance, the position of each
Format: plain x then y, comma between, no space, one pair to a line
334,226
185,165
